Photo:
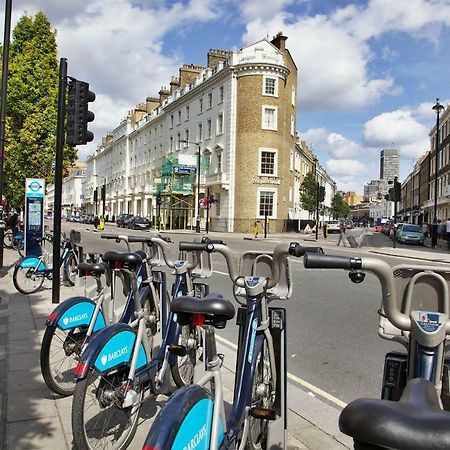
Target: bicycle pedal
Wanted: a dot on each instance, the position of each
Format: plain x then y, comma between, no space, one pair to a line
262,413
178,350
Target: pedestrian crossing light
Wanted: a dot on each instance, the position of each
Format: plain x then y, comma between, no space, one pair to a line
158,199
78,114
321,193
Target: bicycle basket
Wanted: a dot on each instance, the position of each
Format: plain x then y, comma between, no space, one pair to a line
260,264
423,294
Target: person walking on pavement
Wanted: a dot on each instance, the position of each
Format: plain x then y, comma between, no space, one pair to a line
96,222
447,234
441,232
342,235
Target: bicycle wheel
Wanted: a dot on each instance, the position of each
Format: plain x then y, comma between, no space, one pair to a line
7,239
183,369
60,350
70,269
17,244
98,418
27,280
263,396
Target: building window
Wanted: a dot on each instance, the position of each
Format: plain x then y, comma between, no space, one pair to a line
179,117
200,105
269,118
221,94
171,121
161,130
291,160
292,126
268,162
178,141
219,162
208,128
270,86
219,124
186,138
266,202
199,132
293,96
171,143
210,100
187,112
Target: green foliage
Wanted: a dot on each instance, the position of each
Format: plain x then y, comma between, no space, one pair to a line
339,209
31,105
308,191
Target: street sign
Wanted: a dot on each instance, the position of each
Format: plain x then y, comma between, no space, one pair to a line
184,169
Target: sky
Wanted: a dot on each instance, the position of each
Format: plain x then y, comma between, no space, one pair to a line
369,71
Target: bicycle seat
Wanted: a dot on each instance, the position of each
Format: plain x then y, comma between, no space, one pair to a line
217,309
130,260
94,269
415,422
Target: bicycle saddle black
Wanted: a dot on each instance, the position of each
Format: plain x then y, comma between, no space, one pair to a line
130,260
215,306
415,422
95,268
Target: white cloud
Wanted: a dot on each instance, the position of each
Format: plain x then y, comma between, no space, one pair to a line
397,129
341,147
345,167
263,9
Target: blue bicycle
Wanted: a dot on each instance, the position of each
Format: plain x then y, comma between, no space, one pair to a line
194,417
118,365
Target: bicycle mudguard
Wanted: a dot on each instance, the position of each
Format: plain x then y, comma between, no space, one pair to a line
109,349
184,422
30,262
75,312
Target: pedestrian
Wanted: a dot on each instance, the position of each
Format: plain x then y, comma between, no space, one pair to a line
96,222
342,234
441,232
447,235
14,221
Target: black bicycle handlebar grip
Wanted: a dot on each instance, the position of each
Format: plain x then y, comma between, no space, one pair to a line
315,261
138,238
295,249
165,238
195,246
109,236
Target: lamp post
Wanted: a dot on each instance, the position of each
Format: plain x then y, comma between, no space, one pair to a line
197,199
103,193
317,197
437,108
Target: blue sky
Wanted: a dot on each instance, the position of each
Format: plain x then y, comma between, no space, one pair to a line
369,71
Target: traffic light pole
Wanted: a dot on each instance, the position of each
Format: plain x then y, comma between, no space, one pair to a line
56,282
317,210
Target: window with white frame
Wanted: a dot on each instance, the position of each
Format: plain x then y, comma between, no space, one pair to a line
292,126
199,132
219,162
270,86
221,94
291,160
178,141
210,100
269,118
293,96
186,138
267,202
209,128
171,143
187,112
171,121
219,124
200,105
268,162
179,117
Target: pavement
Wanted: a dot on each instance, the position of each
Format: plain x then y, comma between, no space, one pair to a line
31,417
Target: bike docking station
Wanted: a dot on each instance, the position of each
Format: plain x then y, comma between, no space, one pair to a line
259,264
34,215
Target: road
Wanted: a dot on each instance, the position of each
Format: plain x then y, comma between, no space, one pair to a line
332,323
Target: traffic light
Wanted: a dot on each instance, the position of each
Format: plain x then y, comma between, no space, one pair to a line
95,195
78,115
321,193
397,190
158,198
103,192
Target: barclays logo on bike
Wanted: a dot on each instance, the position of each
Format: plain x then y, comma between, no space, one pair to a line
78,318
112,356
197,439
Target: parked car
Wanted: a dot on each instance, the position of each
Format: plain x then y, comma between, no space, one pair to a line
138,223
333,226
378,228
122,218
408,233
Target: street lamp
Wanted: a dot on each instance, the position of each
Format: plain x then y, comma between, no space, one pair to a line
316,179
437,108
103,192
197,199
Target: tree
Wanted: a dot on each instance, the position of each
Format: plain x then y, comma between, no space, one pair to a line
338,207
308,191
32,98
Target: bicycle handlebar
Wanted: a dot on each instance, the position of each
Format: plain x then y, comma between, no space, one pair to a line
380,269
117,238
280,251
